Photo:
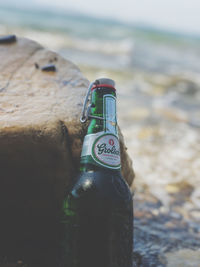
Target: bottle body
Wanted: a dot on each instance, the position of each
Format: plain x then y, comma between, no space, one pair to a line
97,220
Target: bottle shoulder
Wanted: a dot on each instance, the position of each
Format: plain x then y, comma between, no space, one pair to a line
101,185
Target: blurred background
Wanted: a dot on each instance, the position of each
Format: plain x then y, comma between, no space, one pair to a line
151,48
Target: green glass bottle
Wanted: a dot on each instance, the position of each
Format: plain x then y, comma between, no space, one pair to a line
98,212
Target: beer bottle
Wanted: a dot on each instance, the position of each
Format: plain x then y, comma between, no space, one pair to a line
98,212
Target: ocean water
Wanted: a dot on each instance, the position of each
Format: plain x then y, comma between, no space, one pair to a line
158,85
103,42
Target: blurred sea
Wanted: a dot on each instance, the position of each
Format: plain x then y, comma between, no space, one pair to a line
158,84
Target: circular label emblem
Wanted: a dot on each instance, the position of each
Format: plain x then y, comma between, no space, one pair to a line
106,151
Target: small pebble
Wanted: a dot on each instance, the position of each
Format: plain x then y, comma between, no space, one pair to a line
49,67
37,66
8,39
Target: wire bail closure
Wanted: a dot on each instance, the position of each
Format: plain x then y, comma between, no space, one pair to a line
85,109
85,114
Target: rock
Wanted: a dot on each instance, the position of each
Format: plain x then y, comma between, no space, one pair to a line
8,39
49,67
40,138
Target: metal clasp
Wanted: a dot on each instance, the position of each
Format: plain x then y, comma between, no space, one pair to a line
85,114
85,109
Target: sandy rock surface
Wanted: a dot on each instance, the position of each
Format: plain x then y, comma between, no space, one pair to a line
43,107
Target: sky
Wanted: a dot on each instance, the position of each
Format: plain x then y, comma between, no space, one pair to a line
175,15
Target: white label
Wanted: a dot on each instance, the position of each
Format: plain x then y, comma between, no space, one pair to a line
103,148
88,143
109,111
106,151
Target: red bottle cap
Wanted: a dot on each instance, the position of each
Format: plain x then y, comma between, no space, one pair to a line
104,82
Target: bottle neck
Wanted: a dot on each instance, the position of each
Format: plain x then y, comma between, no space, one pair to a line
101,144
103,111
